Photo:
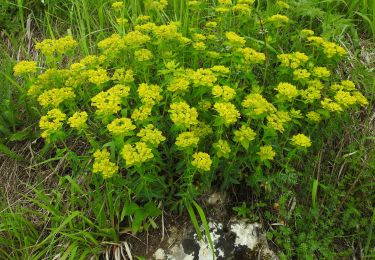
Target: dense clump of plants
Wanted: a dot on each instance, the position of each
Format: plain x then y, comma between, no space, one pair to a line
224,94
169,108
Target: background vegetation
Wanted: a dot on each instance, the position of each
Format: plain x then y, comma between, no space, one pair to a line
322,208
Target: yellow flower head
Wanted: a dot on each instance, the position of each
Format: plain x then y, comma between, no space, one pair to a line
136,154
149,94
282,4
24,67
222,148
301,74
52,122
106,103
182,114
292,60
54,97
202,77
179,84
266,153
344,98
187,139
225,92
321,72
306,33
119,90
301,140
199,46
313,116
122,76
121,126
251,56
103,165
256,104
244,134
220,69
143,55
235,40
330,105
287,91
278,120
202,161
78,120
151,135
360,98
278,20
228,112
60,46
141,113
118,5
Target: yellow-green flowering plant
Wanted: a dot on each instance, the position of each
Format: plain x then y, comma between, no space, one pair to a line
171,107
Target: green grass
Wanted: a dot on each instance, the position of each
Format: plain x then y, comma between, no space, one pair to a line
333,190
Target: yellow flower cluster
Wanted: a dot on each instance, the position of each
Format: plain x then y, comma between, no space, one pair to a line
251,56
52,122
313,116
179,84
202,130
222,148
119,90
225,92
24,67
256,105
266,153
202,77
103,165
143,55
278,120
78,120
106,103
301,140
202,161
312,92
118,5
54,97
292,60
330,105
183,115
330,49
187,139
141,113
122,76
157,4
278,20
220,69
287,91
149,94
301,74
282,4
136,154
244,134
199,46
321,72
306,33
121,127
227,112
96,77
151,135
60,46
235,40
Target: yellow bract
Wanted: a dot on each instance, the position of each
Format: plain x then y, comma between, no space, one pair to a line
202,161
301,140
